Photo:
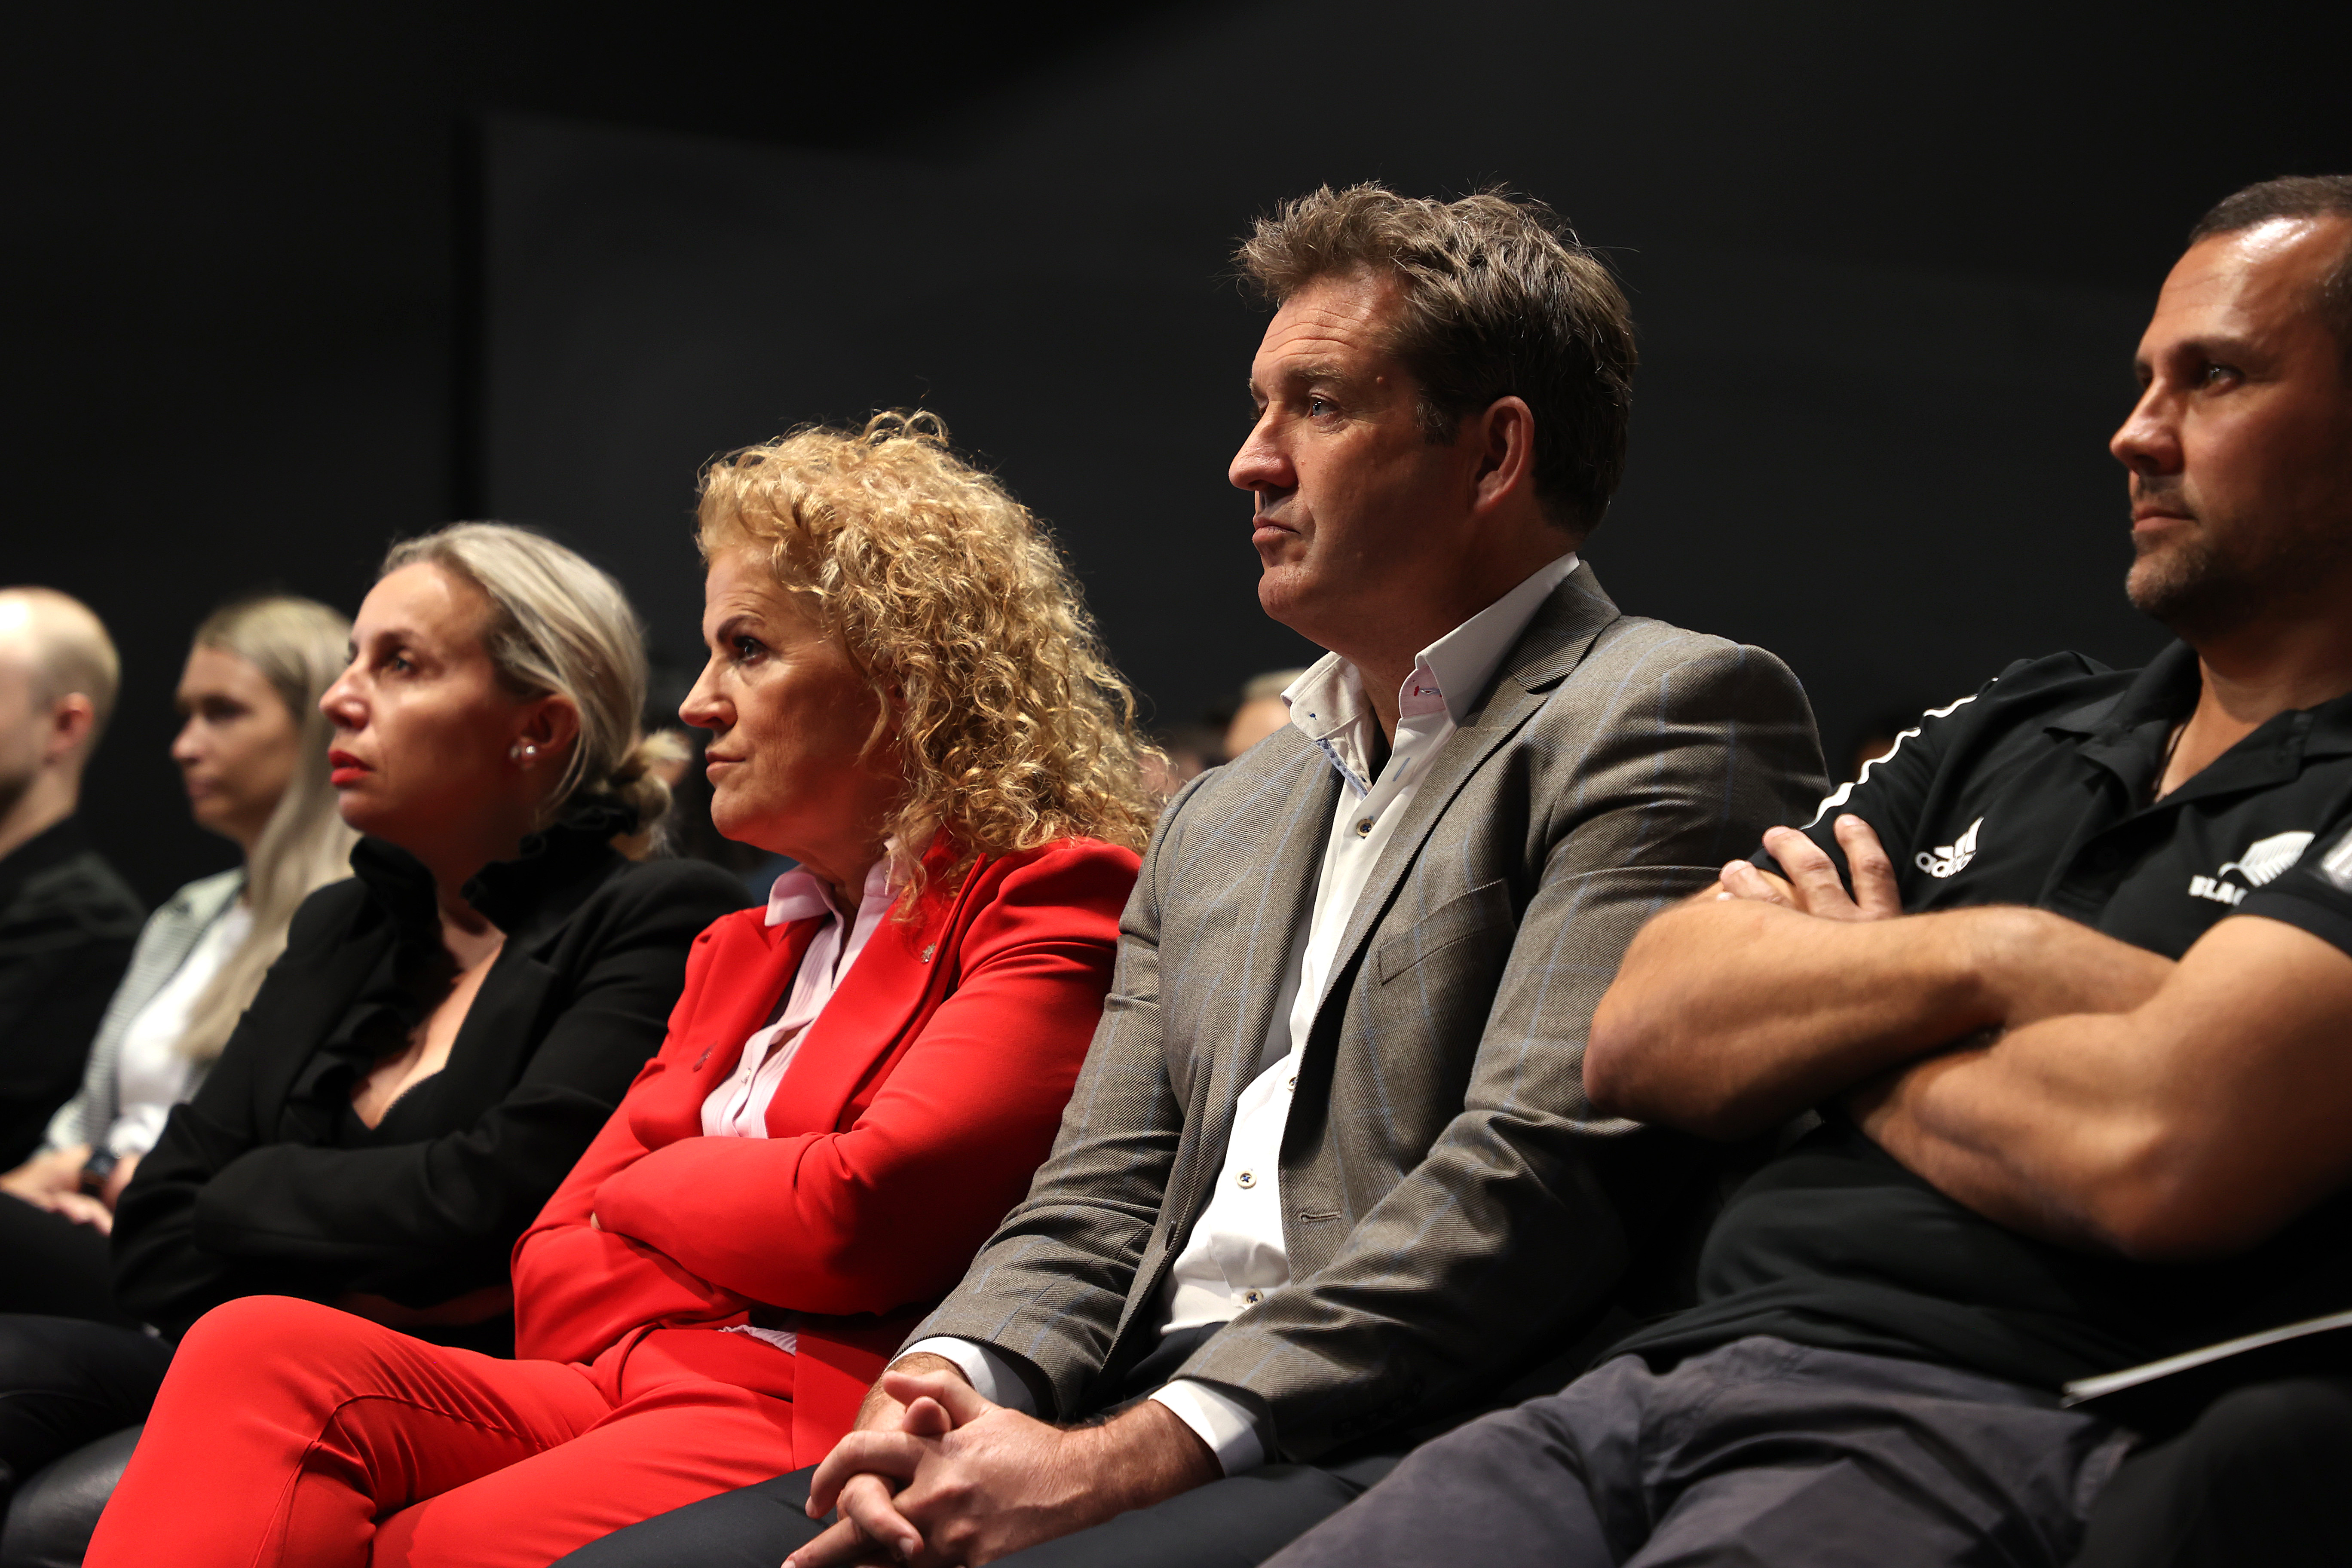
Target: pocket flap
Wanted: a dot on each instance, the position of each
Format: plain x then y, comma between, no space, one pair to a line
1487,907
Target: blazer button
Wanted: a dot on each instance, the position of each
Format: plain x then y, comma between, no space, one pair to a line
1247,1179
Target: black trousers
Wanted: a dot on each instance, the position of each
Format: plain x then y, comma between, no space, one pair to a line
1239,1520
1231,1523
65,1381
51,1266
2259,1479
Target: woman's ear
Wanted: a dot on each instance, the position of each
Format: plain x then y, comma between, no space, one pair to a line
550,724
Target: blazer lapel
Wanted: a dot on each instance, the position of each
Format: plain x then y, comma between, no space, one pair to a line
885,990
1555,641
751,973
1282,867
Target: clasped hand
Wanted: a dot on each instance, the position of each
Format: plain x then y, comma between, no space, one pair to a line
940,1475
1813,885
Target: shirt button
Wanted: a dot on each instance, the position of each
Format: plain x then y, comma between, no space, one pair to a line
1252,1298
1293,1082
1364,828
1246,1179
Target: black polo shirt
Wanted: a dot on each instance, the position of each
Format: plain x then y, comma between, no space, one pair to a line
2035,791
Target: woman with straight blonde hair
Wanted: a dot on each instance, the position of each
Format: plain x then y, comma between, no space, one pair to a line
252,751
447,1029
905,695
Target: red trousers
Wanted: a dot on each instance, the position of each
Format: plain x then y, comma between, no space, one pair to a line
289,1433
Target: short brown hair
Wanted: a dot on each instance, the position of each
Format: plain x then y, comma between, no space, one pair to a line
2295,196
1501,299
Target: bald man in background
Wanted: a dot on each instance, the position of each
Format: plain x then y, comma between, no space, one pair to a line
67,920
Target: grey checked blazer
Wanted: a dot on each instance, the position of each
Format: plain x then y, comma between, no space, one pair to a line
1447,1194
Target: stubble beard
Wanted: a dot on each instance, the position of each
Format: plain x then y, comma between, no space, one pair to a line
2200,591
2190,590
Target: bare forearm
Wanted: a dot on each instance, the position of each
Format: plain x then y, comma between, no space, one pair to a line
1146,1455
2043,1132
2192,1125
1728,1016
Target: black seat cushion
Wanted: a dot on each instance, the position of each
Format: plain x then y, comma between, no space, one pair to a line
54,1512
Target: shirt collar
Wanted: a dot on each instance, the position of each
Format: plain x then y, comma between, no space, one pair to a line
800,894
2127,732
1328,704
1449,673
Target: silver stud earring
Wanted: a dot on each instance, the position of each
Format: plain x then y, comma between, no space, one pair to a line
523,751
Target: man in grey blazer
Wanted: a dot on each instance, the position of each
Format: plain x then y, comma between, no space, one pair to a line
1328,1180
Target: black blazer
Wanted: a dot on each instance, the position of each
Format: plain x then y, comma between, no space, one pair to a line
267,1183
68,924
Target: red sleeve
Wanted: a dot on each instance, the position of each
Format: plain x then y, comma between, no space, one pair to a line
577,1289
891,1211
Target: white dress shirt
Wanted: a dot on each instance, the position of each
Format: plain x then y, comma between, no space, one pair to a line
152,1073
1236,1253
738,1108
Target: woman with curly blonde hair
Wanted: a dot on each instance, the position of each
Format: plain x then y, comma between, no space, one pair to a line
906,696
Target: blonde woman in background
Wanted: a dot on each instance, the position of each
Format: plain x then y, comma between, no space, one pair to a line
447,1030
252,751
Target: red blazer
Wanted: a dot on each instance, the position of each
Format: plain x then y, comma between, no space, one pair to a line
918,1105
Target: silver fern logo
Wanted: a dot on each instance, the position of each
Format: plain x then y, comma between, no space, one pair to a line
1950,859
2264,862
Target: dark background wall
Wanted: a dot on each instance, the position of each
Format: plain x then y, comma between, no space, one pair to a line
286,282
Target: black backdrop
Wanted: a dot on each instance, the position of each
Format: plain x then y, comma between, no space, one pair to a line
284,284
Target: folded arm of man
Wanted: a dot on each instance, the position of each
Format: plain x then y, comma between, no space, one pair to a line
2122,1101
1760,999
2193,1125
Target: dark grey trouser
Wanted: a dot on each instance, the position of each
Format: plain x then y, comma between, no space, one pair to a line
1758,1453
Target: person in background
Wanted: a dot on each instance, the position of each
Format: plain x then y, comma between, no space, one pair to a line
446,1030
1262,711
1178,754
252,751
67,920
904,695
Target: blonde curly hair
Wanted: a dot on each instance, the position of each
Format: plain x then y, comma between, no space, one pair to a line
1014,729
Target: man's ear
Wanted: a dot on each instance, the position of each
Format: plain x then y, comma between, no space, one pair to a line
71,720
1505,438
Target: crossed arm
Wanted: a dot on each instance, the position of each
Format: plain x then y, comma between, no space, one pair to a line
2054,1080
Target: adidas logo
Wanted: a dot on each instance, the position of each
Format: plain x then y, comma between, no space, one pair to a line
1948,859
2264,861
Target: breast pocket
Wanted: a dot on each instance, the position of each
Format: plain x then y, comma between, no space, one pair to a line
1442,940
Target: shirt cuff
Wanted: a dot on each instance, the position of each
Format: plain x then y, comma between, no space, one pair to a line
1233,1430
990,1375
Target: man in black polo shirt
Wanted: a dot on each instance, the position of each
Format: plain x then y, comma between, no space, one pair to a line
2068,976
